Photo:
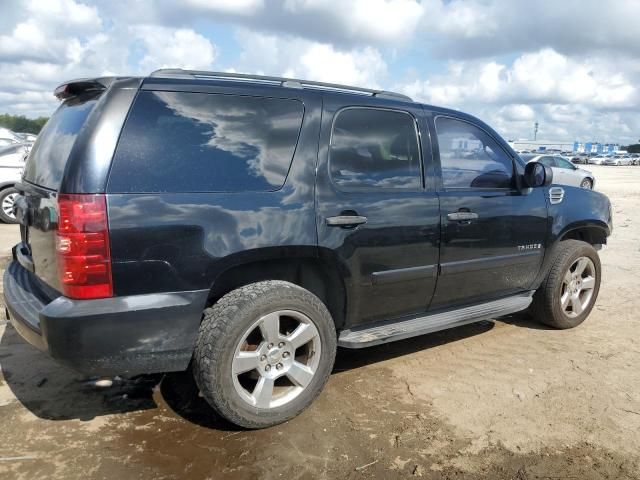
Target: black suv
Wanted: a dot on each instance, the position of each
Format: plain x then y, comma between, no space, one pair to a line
245,227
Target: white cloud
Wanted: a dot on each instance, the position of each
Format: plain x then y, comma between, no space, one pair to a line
236,7
64,39
68,14
294,57
368,20
518,112
476,28
167,47
359,67
342,23
541,77
568,96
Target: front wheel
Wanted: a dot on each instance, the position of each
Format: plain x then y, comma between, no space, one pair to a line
586,183
264,353
568,293
7,199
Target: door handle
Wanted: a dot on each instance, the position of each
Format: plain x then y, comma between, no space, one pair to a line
462,216
346,221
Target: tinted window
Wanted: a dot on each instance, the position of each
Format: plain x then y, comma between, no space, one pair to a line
375,148
199,142
548,161
470,158
49,154
563,163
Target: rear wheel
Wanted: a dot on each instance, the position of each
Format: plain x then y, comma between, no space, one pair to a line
568,293
586,183
264,353
7,199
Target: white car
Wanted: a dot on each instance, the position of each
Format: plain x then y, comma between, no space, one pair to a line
599,160
12,160
618,160
564,172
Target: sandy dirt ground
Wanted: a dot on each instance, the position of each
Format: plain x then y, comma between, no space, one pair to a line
504,399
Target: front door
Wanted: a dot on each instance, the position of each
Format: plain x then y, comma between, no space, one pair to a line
375,218
493,234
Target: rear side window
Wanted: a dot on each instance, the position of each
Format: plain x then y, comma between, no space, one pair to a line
470,158
374,148
200,142
49,155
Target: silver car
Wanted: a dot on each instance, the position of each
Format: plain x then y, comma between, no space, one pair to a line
618,160
564,172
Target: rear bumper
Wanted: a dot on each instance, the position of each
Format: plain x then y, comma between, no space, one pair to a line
123,335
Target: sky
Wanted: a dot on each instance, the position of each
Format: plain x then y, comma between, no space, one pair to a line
571,65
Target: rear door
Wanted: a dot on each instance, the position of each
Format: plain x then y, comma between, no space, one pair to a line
375,218
493,234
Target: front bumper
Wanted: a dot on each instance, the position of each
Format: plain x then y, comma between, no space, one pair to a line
122,335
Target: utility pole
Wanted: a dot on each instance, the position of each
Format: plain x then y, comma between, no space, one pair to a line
535,131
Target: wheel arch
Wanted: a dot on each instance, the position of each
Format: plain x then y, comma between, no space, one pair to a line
302,266
594,233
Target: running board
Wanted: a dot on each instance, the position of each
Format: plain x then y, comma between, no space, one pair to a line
392,330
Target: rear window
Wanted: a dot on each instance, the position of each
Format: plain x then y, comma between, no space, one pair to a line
48,158
201,142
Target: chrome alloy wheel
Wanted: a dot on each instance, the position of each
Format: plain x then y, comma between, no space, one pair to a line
577,287
7,204
276,359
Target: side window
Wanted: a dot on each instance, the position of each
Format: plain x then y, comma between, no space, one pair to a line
470,158
548,161
373,148
205,142
562,163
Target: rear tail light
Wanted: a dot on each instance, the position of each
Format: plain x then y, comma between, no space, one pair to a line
82,245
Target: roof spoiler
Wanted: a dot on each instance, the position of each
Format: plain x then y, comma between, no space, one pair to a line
74,88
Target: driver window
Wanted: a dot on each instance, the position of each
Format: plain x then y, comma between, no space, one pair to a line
470,158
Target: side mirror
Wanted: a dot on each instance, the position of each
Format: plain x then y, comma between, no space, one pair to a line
537,175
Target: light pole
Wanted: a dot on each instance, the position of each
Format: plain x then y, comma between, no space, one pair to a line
535,131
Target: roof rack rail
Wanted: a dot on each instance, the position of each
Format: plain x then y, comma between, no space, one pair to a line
282,81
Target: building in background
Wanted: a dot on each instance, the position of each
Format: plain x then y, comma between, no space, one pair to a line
564,146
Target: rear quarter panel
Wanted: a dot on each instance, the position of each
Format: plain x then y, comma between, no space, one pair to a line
165,242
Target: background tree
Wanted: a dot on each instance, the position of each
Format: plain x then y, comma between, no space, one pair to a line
633,148
20,123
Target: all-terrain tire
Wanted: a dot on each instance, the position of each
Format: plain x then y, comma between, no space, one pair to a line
222,329
546,306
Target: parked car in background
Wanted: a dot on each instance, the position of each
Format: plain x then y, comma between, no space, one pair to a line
564,172
12,161
618,160
597,160
581,159
27,137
